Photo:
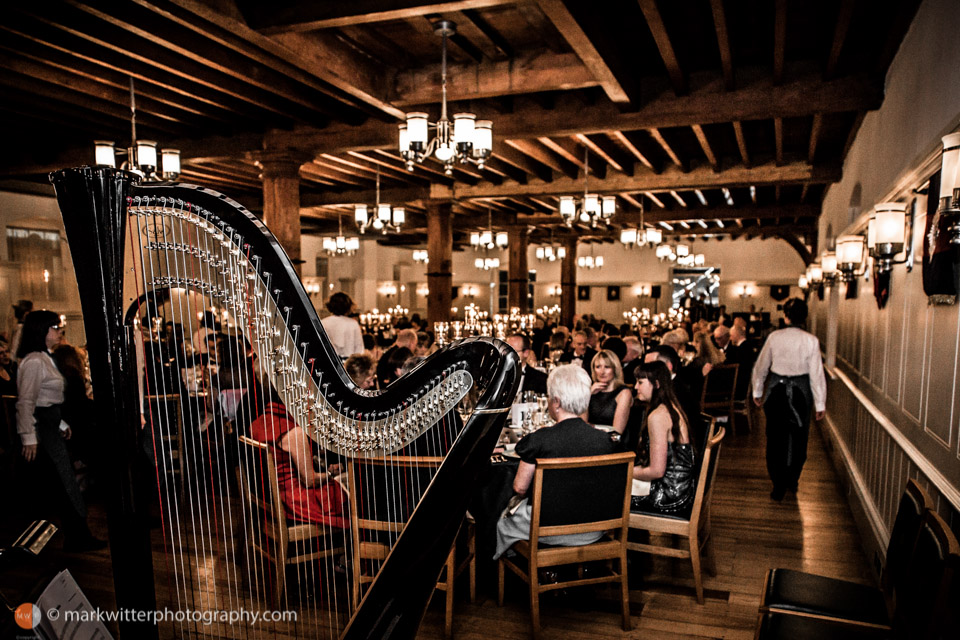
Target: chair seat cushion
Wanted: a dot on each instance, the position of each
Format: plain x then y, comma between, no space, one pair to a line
789,590
785,626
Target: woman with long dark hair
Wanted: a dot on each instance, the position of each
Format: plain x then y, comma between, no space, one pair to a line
40,388
666,457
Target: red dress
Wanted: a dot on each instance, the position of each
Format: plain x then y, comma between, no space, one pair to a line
323,504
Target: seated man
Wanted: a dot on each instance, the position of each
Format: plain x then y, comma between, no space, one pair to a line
568,390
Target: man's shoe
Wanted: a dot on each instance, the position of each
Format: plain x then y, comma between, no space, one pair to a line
778,493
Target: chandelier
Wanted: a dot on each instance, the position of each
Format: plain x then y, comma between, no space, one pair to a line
465,140
141,155
592,208
631,237
385,218
487,239
551,252
420,256
340,245
591,261
486,264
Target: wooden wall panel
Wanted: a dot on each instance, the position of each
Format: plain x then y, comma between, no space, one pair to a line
940,385
914,352
895,310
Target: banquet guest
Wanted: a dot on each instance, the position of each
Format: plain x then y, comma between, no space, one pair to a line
425,344
8,372
787,380
406,339
631,359
721,337
666,458
362,370
684,388
40,388
610,398
344,332
393,362
530,378
307,494
20,311
555,347
740,351
568,390
579,352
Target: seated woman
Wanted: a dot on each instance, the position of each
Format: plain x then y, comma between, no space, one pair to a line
308,495
362,370
568,390
610,399
666,457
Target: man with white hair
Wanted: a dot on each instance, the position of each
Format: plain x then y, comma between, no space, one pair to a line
568,390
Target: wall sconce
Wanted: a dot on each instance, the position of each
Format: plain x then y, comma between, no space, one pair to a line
469,291
803,284
423,290
746,291
828,266
554,291
641,290
312,287
814,274
889,231
950,186
850,257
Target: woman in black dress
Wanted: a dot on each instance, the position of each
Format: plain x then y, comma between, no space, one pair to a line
610,398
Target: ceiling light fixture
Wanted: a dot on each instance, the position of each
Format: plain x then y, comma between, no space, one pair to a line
384,216
340,245
420,256
466,139
141,155
592,208
591,261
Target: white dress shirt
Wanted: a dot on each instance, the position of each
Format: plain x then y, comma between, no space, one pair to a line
39,384
792,352
345,335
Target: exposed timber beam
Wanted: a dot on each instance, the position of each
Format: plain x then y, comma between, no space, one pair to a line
662,38
723,42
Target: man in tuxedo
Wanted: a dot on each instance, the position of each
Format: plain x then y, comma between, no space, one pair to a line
579,352
721,337
632,359
530,378
741,351
405,338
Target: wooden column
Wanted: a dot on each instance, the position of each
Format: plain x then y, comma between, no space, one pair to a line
440,252
280,173
519,271
568,283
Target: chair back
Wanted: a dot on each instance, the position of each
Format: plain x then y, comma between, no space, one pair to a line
922,603
165,415
913,504
581,494
260,487
719,386
708,472
384,492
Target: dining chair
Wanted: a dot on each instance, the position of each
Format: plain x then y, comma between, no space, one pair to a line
164,412
924,604
719,387
691,526
801,593
404,478
603,505
281,541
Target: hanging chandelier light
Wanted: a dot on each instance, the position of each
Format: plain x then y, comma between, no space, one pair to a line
464,140
420,256
141,156
640,236
592,208
340,245
385,218
665,252
591,261
486,264
551,252
487,239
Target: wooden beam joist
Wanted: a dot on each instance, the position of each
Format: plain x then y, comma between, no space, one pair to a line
741,143
529,73
705,145
719,213
723,43
662,38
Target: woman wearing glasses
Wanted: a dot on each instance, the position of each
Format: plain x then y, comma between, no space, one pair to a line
40,388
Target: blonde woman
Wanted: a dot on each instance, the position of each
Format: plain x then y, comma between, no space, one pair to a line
610,398
708,356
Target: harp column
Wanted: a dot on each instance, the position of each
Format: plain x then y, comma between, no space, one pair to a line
519,274
280,173
440,252
568,282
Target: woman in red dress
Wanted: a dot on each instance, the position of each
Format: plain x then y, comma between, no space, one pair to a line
308,495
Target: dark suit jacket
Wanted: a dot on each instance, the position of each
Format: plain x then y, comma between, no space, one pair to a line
587,359
745,356
534,380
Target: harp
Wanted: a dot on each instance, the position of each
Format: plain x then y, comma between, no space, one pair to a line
145,252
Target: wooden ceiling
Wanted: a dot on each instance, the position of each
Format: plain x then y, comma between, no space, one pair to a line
716,117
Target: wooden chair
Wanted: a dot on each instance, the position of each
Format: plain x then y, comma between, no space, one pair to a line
166,442
410,475
717,398
693,525
282,542
603,504
801,593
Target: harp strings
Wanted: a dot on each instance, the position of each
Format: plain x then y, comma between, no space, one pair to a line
208,559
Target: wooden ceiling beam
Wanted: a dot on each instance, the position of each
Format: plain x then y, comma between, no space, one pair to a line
313,16
531,72
815,130
545,156
605,148
558,13
722,213
779,39
844,18
662,38
658,137
631,145
705,145
741,143
723,43
573,152
522,161
502,46
778,140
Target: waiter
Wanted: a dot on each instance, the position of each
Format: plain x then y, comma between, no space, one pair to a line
789,375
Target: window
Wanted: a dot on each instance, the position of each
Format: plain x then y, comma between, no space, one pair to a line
37,251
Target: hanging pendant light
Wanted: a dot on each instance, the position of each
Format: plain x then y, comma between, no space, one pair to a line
592,209
385,218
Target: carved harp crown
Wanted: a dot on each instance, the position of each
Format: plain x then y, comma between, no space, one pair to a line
170,253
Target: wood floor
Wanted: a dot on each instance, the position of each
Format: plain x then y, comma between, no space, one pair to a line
812,531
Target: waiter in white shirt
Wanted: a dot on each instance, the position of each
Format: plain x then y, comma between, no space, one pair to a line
788,381
344,332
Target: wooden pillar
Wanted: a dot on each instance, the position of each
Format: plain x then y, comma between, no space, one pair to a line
280,173
568,282
440,252
519,271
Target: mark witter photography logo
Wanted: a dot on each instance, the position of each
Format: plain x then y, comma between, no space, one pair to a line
27,616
